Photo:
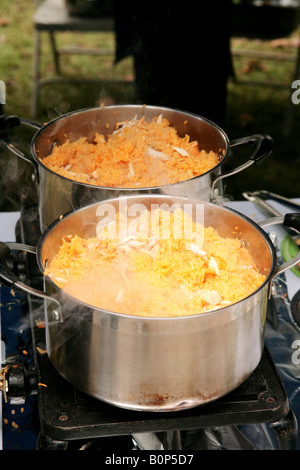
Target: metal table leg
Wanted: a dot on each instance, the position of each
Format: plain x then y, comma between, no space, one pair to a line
36,72
55,52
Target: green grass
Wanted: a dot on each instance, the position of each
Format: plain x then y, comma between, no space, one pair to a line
251,108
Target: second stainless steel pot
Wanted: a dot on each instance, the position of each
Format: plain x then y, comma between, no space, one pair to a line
58,195
149,363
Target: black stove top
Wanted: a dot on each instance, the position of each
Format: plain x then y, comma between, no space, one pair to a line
67,414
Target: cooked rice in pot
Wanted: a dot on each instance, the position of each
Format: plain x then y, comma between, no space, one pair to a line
136,154
141,272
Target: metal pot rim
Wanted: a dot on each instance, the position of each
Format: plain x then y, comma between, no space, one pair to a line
159,109
164,198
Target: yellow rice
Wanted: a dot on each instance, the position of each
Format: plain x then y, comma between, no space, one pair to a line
150,275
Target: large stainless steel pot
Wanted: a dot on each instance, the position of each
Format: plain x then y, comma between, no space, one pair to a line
156,364
58,195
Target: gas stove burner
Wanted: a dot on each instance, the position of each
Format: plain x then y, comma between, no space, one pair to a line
66,414
295,307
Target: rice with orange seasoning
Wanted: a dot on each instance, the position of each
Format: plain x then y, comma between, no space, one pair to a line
149,275
137,154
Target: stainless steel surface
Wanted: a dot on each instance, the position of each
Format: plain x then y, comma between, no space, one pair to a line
269,210
263,205
59,195
278,198
157,364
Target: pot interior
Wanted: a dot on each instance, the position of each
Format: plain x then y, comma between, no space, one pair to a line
227,223
85,123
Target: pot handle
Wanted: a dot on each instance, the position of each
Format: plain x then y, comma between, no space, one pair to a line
263,144
291,220
10,279
7,122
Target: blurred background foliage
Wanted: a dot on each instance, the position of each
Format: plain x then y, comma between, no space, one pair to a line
259,95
